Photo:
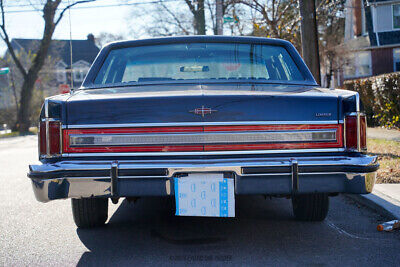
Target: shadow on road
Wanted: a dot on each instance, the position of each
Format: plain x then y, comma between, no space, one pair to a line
148,231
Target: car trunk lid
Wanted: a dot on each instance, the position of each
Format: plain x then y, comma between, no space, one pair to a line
202,118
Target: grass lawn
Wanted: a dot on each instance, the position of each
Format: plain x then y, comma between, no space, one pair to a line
32,131
388,153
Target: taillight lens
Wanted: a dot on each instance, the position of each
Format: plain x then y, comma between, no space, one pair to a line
42,138
50,138
352,134
55,137
363,132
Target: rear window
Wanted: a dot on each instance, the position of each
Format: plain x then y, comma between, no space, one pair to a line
198,61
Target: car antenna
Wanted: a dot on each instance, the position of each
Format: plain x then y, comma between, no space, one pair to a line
70,50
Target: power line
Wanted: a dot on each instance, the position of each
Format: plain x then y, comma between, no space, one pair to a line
32,4
100,6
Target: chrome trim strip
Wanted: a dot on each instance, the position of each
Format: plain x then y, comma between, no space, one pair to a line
50,119
46,108
61,139
358,122
95,165
202,138
267,174
141,177
47,139
235,165
123,125
242,175
202,153
39,143
46,119
344,132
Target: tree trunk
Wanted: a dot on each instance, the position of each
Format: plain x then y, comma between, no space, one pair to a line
219,17
23,122
309,37
199,18
328,79
30,76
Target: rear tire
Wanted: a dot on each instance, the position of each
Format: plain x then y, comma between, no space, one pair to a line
310,207
89,212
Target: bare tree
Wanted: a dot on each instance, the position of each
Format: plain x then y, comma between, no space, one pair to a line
106,37
30,74
330,17
275,18
281,19
186,17
163,19
228,6
199,17
44,85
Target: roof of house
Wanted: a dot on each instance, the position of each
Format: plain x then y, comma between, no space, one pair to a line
60,49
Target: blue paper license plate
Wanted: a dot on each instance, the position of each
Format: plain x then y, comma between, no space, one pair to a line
205,194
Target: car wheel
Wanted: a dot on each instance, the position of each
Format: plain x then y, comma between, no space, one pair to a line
310,207
89,212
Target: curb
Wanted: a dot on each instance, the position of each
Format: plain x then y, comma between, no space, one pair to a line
375,203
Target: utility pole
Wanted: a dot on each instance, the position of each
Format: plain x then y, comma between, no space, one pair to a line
218,17
309,37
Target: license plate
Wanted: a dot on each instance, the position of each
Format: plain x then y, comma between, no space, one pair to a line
205,194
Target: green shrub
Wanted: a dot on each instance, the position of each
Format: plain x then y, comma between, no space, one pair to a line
381,98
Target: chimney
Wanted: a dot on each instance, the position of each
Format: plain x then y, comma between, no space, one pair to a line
90,37
357,17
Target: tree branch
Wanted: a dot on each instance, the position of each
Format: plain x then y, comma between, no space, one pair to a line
178,22
191,7
68,7
254,4
6,39
283,12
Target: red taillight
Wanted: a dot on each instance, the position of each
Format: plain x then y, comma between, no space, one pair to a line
42,138
54,137
171,139
351,132
352,135
50,138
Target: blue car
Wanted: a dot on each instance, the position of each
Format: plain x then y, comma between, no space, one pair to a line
201,119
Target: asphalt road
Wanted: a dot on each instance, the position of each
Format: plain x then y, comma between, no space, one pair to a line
146,232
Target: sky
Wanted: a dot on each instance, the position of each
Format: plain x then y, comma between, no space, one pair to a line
85,18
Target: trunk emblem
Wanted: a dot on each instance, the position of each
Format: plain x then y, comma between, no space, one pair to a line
203,111
323,114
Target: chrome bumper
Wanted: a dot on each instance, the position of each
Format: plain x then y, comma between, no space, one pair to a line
276,176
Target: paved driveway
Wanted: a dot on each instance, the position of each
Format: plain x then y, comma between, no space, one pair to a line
146,232
379,133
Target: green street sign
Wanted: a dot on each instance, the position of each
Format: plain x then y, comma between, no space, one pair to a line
4,70
230,19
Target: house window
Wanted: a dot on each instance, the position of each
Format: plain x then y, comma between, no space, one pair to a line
61,78
61,72
396,59
396,16
358,65
79,74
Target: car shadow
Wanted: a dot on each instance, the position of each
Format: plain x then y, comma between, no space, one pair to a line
147,231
